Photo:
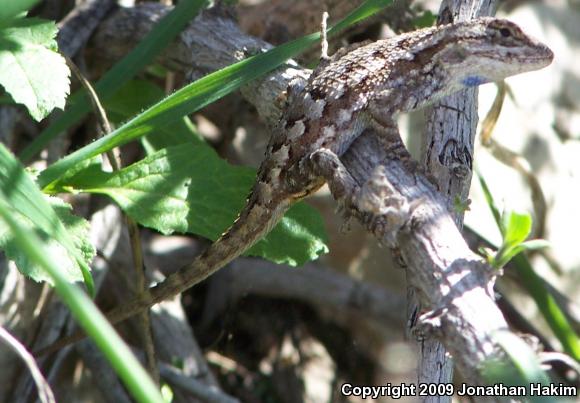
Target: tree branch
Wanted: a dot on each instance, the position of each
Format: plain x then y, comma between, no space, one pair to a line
447,154
408,212
455,285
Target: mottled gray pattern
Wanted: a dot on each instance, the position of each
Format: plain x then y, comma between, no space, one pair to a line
357,88
362,86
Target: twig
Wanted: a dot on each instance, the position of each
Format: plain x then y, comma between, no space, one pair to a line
196,388
561,358
312,284
132,227
44,392
100,113
109,384
490,120
76,28
323,39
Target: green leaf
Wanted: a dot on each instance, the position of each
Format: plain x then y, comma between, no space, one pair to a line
425,19
489,198
535,286
534,244
167,393
515,227
505,256
460,206
90,318
132,98
14,8
28,202
188,188
77,229
298,238
153,43
548,306
197,95
363,11
31,70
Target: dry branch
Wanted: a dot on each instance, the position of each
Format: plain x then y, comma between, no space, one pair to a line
455,284
447,153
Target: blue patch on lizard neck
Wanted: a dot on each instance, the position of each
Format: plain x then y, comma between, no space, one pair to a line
474,81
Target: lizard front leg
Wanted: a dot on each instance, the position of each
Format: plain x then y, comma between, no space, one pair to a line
375,200
387,132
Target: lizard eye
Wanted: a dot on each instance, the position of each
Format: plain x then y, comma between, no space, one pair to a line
505,32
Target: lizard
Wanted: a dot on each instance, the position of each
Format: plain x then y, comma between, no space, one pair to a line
364,86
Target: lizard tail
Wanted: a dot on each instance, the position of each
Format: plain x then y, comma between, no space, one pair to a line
255,220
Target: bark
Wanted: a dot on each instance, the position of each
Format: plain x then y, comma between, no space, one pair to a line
447,153
454,284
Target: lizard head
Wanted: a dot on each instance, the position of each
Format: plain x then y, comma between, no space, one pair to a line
490,49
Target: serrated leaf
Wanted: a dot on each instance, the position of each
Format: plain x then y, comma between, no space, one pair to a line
516,227
33,210
31,70
145,52
188,188
84,310
76,227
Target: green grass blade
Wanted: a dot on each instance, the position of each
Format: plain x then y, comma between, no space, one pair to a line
365,10
87,314
489,199
522,371
25,199
548,306
195,96
162,34
522,356
542,297
133,98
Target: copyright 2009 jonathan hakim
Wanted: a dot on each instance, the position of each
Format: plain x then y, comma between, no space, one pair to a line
448,389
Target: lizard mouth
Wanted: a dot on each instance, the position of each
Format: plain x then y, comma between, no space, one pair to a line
539,59
542,54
